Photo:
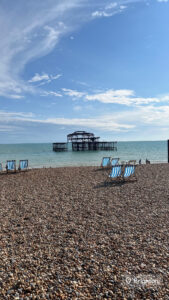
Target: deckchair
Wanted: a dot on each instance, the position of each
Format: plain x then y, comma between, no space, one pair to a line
23,165
115,173
106,162
114,161
11,165
129,172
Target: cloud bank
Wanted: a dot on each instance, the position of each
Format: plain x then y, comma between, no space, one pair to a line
116,121
122,97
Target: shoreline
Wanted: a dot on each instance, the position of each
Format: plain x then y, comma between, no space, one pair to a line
81,166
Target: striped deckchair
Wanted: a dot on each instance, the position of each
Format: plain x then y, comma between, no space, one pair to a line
129,172
115,173
106,162
11,165
23,165
114,161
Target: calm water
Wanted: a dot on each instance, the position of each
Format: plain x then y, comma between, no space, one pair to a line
40,155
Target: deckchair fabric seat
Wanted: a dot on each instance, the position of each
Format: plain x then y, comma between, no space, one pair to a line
129,171
122,173
106,161
114,161
116,172
23,164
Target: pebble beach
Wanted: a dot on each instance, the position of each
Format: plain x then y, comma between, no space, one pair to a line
65,234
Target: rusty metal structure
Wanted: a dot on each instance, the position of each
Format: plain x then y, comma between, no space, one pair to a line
84,141
81,136
59,147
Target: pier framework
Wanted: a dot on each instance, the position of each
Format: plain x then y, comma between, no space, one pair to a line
59,147
84,141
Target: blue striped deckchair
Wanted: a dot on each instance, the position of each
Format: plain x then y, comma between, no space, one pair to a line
23,165
129,171
114,161
115,173
11,165
106,162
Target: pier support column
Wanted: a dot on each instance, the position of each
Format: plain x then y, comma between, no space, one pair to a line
168,151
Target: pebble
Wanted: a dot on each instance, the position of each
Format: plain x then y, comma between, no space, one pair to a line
65,235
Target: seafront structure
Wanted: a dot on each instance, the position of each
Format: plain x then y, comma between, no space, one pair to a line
84,141
60,147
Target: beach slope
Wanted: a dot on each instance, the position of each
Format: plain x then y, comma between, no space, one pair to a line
64,234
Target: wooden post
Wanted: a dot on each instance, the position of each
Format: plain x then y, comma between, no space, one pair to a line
168,151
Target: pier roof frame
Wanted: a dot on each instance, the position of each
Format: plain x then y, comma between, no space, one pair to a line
81,136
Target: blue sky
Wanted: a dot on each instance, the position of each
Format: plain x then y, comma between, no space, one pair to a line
99,66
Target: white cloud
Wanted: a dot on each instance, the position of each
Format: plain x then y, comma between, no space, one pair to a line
55,77
130,120
147,116
73,93
156,115
8,128
97,13
37,77
123,7
7,116
51,93
15,96
111,5
123,97
44,78
16,114
116,121
100,122
109,10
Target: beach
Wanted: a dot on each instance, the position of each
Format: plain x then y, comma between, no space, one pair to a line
65,234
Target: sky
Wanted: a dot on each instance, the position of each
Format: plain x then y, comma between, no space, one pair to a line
101,66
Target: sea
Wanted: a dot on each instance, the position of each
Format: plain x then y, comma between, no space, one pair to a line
42,155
